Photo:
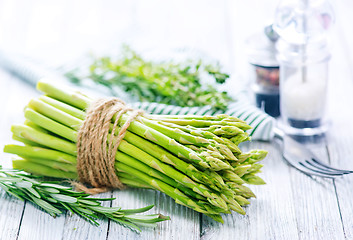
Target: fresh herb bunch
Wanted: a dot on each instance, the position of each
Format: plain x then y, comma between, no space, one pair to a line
176,83
53,198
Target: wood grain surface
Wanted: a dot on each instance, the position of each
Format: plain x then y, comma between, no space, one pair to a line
290,206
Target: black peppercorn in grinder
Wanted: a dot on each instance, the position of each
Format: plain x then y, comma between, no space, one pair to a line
264,71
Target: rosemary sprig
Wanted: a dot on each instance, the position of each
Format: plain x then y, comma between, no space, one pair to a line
54,198
169,82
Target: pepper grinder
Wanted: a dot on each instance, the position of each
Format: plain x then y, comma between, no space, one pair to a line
303,55
264,70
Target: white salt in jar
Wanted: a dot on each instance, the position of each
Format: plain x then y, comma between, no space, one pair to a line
303,87
303,56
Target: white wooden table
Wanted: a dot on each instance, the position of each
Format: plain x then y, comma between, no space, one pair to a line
291,205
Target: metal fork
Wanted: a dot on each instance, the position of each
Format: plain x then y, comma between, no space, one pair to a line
300,157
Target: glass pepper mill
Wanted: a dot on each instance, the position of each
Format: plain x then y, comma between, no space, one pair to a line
303,55
264,70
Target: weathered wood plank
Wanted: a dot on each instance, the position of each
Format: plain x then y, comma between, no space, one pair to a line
340,137
11,210
184,223
77,228
315,202
288,206
271,215
340,150
37,224
127,199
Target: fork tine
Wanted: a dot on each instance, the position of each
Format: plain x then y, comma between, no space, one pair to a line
329,167
315,169
304,160
308,171
326,168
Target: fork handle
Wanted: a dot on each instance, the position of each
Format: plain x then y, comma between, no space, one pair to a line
278,133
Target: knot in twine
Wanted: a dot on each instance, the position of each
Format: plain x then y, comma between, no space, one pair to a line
97,146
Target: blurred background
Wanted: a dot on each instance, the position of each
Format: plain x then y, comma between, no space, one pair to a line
63,33
59,32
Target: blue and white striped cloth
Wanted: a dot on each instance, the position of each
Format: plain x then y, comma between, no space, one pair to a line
261,123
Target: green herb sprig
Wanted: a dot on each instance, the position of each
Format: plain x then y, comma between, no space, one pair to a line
54,198
176,83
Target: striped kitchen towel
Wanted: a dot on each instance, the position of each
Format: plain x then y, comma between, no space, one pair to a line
261,123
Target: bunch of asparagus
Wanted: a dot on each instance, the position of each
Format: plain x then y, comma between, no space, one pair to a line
193,159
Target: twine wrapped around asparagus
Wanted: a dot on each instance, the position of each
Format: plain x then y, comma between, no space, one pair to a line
95,160
193,159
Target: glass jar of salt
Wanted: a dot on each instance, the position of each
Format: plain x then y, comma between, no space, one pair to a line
303,55
303,88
